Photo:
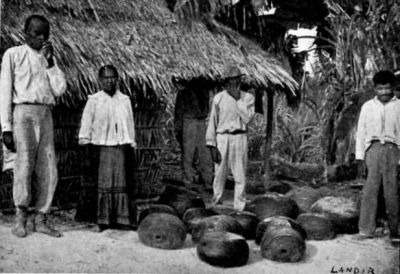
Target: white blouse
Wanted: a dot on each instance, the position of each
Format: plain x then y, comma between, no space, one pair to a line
107,120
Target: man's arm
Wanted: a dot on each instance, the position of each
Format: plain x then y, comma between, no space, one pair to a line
245,108
55,75
360,134
6,89
211,133
57,80
178,116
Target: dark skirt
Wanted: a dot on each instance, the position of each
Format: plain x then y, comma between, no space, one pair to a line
112,193
107,185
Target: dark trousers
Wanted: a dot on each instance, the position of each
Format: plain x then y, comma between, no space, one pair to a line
194,133
381,161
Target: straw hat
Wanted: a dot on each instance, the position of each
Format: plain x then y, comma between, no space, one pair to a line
232,71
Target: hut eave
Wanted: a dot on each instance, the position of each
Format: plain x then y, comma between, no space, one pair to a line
144,41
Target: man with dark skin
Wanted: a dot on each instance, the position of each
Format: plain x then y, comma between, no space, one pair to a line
232,87
29,82
377,144
191,111
231,111
108,124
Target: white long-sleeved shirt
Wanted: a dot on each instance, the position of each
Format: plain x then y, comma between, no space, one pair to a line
107,120
25,78
228,115
377,121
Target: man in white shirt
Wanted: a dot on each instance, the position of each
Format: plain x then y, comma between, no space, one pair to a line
377,143
231,112
108,124
29,82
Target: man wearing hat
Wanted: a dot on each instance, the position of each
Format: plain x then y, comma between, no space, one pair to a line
231,111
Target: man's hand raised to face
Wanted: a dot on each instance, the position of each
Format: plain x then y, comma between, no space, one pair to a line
48,52
9,140
233,87
235,94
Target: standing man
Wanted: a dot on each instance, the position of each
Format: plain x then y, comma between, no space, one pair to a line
377,142
231,112
191,111
29,82
108,124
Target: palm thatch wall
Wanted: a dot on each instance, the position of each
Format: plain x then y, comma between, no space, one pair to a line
152,51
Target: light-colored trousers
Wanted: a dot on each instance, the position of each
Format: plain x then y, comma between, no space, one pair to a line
233,149
194,133
34,141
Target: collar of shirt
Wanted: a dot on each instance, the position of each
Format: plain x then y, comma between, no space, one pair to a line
33,51
117,96
376,101
37,54
242,94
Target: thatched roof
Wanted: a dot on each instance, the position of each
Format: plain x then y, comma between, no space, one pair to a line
143,39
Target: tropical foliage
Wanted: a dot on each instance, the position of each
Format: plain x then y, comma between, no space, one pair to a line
363,43
296,131
358,44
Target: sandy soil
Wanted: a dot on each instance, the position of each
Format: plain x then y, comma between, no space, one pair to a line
82,250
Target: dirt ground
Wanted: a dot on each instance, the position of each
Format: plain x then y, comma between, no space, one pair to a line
83,250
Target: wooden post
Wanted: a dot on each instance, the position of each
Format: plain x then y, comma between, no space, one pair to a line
268,138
